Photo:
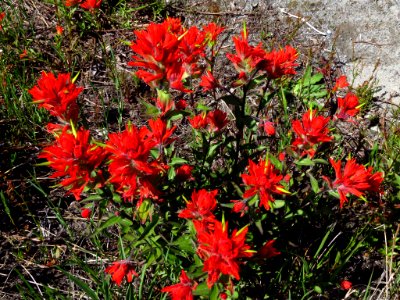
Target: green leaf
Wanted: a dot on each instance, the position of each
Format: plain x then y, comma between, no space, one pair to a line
314,184
277,204
89,292
6,208
202,290
177,161
305,162
110,222
150,227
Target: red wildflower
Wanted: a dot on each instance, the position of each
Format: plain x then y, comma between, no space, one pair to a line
181,105
119,270
59,29
280,63
72,2
220,252
208,82
74,158
86,212
268,250
191,48
240,206
182,290
310,131
160,133
2,15
199,121
348,106
212,31
202,205
184,173
355,179
129,165
346,285
58,95
247,57
268,127
262,180
91,4
156,54
23,54
217,119
341,83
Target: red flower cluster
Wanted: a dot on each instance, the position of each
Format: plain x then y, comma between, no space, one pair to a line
167,53
310,131
280,63
249,58
263,180
183,289
341,83
58,95
217,119
201,207
2,15
86,4
348,107
75,158
130,169
355,179
220,252
268,250
119,270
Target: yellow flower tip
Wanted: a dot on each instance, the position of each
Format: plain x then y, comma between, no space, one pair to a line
182,35
241,230
283,190
250,251
361,105
75,78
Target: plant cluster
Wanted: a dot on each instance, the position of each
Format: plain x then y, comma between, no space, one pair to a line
243,174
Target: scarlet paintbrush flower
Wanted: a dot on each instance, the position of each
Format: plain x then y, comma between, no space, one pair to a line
58,95
212,31
279,63
240,206
199,121
208,82
348,107
86,212
72,2
160,133
182,290
130,151
121,269
2,15
192,47
341,83
59,30
91,4
310,131
75,158
184,173
346,285
268,127
217,119
247,57
268,250
201,207
263,180
220,252
355,179
157,55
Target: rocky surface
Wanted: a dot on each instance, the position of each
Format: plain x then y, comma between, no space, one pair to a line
363,34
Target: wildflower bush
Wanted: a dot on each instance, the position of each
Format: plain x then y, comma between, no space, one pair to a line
226,187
